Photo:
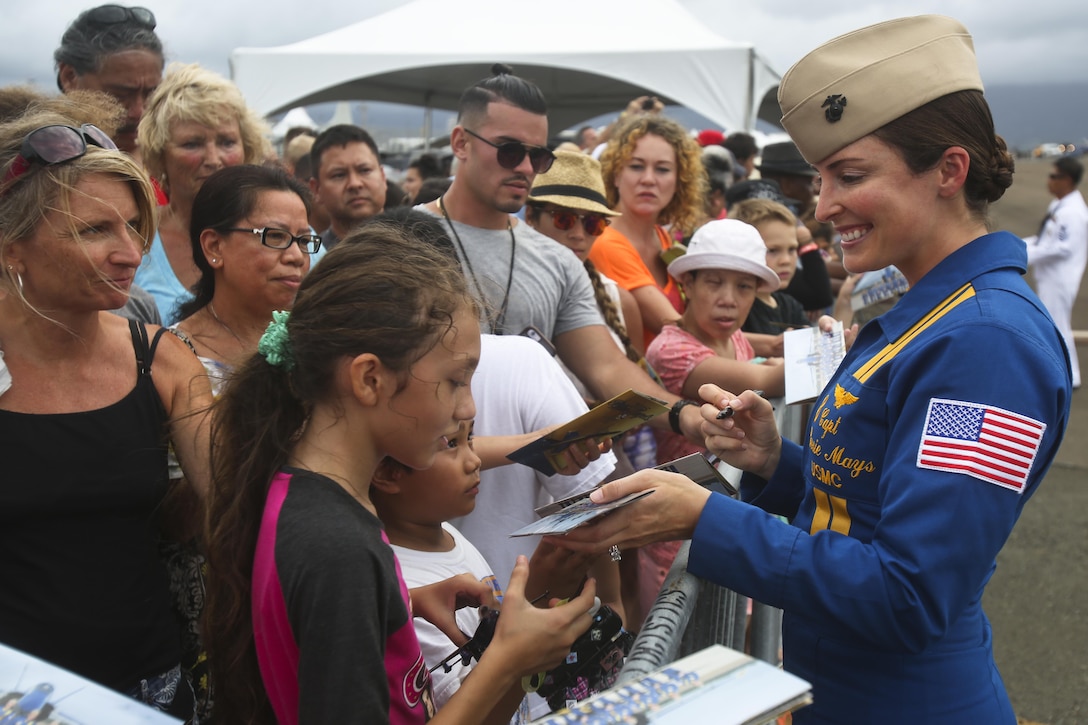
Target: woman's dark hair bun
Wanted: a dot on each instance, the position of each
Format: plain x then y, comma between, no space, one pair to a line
501,69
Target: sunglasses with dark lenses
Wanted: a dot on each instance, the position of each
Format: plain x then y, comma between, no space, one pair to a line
564,220
510,154
282,239
114,14
56,144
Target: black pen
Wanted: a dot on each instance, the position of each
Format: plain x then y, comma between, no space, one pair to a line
727,411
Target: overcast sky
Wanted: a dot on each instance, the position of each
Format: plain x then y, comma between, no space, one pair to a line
1021,41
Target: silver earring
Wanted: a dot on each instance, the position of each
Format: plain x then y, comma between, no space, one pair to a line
18,279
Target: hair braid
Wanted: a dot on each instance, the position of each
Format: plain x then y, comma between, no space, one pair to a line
611,312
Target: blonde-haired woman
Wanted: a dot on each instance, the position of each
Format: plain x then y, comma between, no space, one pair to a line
84,426
653,175
196,123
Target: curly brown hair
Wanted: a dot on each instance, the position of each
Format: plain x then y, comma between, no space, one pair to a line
685,210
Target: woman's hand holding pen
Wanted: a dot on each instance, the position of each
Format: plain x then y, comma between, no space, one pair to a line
748,437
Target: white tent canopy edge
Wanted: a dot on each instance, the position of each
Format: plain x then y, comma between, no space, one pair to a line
588,58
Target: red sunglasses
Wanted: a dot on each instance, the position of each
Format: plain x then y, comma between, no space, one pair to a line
564,220
55,144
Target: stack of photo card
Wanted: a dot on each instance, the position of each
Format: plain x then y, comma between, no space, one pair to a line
569,513
34,691
714,685
608,420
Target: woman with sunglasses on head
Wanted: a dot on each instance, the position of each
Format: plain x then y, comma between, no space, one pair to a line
653,175
84,425
252,243
196,123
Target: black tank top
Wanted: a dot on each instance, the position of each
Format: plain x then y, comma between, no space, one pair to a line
81,583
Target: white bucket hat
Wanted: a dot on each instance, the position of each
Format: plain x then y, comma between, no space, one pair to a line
728,244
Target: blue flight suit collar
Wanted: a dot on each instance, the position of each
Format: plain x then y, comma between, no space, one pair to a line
986,254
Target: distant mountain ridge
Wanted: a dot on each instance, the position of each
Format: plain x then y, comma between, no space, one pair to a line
1025,115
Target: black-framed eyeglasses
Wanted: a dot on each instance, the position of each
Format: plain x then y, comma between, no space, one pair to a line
510,154
564,220
283,239
56,144
114,14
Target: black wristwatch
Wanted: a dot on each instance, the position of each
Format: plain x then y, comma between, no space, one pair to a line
674,415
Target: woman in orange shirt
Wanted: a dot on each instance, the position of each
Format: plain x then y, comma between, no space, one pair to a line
653,175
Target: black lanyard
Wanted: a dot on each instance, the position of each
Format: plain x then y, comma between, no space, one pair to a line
497,324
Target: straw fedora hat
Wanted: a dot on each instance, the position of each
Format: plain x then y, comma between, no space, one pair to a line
574,181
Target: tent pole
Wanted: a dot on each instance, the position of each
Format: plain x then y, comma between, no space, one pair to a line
427,122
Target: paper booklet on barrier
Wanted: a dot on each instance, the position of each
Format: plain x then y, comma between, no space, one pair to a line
561,516
610,419
811,358
714,685
33,689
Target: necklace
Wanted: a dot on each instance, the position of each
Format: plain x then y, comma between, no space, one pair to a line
496,324
225,326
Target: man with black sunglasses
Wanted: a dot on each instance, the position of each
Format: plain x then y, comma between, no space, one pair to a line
113,49
524,278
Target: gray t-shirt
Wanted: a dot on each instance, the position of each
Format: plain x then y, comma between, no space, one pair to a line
549,290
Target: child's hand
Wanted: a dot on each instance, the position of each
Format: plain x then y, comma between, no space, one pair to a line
437,602
556,570
531,640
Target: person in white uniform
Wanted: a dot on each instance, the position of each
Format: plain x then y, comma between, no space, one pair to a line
1059,253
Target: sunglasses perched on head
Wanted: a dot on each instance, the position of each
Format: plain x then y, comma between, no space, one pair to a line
56,144
114,14
282,239
510,154
564,220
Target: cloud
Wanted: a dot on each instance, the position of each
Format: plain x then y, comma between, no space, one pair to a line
1041,41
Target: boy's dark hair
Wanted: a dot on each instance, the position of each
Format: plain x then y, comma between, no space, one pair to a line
742,145
501,87
431,189
1069,166
339,135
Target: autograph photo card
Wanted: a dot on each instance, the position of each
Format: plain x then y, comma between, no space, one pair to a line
610,419
580,512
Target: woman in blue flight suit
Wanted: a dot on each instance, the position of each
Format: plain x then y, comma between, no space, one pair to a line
937,427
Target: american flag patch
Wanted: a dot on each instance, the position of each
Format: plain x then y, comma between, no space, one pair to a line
991,444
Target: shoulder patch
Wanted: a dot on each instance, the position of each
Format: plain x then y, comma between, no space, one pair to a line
983,441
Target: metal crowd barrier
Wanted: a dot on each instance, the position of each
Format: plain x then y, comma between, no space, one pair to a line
690,614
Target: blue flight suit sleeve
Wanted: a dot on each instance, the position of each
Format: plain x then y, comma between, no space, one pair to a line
922,543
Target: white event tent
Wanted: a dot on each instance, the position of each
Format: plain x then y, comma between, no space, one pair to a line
589,57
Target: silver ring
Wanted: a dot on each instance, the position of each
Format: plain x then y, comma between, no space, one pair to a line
614,552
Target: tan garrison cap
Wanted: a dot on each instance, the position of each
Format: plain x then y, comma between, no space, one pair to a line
852,85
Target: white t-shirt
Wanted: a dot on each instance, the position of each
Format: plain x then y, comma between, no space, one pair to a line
518,388
420,568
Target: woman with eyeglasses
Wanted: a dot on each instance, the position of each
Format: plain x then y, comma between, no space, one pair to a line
653,175
251,241
84,424
196,123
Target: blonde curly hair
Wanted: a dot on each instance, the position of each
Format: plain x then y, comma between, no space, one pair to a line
685,210
193,93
